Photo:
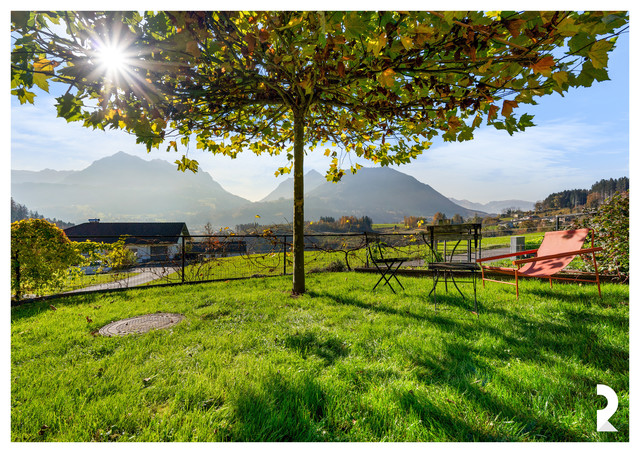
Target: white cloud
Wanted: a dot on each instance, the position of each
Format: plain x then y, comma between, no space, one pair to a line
528,165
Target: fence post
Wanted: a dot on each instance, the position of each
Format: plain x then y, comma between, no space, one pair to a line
284,254
183,257
366,246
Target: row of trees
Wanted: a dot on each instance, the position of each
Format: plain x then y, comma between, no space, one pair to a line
21,212
590,198
343,224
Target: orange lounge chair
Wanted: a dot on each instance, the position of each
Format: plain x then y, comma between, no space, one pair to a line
557,250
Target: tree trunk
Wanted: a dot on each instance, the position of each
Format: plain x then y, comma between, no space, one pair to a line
298,204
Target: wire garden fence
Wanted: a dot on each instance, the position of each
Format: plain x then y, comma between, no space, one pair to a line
165,260
201,258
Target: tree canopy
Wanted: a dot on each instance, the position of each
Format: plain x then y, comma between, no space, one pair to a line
375,85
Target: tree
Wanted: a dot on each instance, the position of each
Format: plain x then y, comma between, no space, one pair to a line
610,223
439,218
379,85
40,256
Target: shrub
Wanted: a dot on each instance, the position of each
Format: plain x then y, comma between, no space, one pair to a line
41,254
611,225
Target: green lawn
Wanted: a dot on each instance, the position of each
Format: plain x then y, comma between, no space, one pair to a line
340,363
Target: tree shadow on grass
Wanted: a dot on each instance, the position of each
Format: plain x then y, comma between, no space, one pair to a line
461,369
278,408
583,298
427,316
308,343
572,337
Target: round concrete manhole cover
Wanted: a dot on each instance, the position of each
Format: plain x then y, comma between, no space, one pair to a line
141,324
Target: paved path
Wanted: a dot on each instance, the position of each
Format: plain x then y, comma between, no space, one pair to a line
145,275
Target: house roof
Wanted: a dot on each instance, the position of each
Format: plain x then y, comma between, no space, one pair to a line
139,232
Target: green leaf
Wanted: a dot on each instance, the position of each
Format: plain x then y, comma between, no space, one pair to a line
185,164
598,54
69,107
354,25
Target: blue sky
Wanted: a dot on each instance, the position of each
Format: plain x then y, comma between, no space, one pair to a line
578,140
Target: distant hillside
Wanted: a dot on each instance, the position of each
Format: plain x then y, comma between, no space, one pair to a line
126,188
285,189
46,176
384,194
495,207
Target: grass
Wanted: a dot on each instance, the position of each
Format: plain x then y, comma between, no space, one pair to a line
340,363
532,241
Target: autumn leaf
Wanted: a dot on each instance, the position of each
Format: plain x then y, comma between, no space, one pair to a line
507,107
387,78
493,112
341,69
294,22
514,27
263,35
193,49
454,123
250,38
543,66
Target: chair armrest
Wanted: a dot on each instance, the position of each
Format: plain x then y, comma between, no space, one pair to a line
558,255
508,255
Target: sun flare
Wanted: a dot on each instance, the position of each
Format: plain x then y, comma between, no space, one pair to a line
112,59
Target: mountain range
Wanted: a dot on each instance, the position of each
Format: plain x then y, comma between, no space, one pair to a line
495,207
122,187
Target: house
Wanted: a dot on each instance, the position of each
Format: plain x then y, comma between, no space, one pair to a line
216,247
150,241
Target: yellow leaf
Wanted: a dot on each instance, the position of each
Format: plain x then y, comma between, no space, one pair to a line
377,44
387,78
407,42
43,65
327,152
257,216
